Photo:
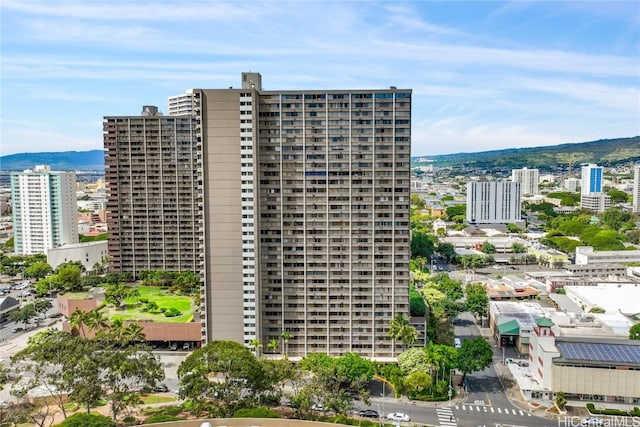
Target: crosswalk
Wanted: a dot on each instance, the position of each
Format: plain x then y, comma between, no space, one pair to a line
492,410
446,417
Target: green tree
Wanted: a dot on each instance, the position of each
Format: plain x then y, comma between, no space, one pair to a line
614,218
126,370
273,345
78,321
47,285
87,420
286,336
24,314
488,248
41,306
256,345
618,196
447,250
68,276
417,306
116,294
477,300
634,332
518,248
413,360
38,270
401,330
186,283
422,244
455,211
417,382
561,400
513,228
223,373
474,355
49,351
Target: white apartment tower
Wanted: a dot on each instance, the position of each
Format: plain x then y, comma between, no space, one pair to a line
180,105
591,195
636,188
44,210
493,202
528,179
302,222
591,179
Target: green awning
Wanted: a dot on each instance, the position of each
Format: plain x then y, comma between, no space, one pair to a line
524,340
512,327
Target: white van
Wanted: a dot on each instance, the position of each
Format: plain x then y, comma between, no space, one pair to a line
457,343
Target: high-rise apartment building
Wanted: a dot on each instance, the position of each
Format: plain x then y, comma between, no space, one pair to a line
528,179
591,179
493,202
303,219
180,105
636,188
591,196
44,210
152,169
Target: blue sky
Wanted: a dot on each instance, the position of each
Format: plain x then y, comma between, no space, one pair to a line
485,75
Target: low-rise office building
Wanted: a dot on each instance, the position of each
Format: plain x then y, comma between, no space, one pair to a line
89,254
592,369
586,255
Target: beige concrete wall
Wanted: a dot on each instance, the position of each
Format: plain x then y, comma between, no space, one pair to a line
223,215
246,422
607,382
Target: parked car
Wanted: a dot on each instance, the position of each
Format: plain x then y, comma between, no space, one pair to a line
17,329
174,346
185,346
398,416
368,413
318,407
592,422
161,388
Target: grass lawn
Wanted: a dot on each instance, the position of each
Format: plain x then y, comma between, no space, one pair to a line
134,308
156,398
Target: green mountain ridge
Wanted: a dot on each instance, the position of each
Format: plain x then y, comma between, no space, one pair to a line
604,152
92,160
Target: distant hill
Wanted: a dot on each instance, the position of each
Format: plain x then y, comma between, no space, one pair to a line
606,152
92,160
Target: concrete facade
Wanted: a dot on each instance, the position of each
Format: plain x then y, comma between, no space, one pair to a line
586,255
490,202
295,204
44,210
88,254
528,179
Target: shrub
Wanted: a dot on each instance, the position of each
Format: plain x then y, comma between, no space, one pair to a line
172,312
255,413
171,410
130,421
161,418
87,420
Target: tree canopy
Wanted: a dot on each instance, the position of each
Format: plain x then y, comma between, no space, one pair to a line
474,355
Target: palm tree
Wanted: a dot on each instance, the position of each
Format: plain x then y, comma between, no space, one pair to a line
272,345
78,321
133,333
286,336
401,330
96,321
256,345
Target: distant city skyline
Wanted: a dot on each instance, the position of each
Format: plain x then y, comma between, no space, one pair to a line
485,75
